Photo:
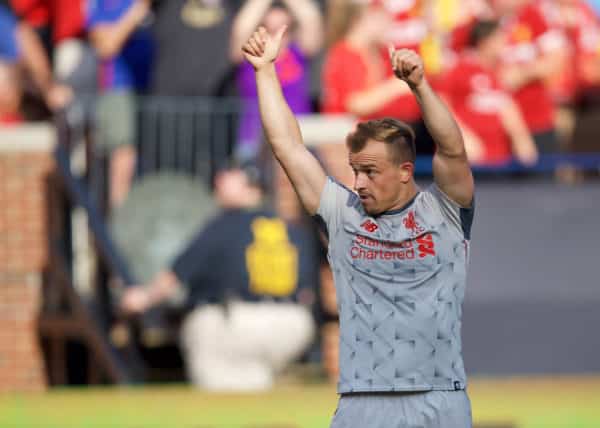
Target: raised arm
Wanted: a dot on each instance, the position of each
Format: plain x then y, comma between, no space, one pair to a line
108,38
309,33
244,24
451,170
281,128
310,25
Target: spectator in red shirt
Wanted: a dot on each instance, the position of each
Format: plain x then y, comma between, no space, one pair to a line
357,78
458,39
578,85
581,27
36,13
535,52
54,20
492,124
68,19
410,28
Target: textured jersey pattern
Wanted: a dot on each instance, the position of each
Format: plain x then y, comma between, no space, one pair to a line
400,280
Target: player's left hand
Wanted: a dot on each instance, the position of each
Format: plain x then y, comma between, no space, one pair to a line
262,48
407,66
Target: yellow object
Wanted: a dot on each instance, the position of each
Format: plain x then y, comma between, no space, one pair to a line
431,52
271,259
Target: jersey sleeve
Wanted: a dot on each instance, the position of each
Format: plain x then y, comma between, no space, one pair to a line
333,198
460,218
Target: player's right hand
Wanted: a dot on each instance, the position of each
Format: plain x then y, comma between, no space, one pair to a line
263,48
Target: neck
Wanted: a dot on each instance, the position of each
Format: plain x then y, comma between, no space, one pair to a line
406,196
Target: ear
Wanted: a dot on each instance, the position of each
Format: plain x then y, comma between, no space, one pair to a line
407,171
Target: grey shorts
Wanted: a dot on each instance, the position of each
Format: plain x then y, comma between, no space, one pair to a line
432,409
115,120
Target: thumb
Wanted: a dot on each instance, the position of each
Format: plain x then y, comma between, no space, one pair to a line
280,33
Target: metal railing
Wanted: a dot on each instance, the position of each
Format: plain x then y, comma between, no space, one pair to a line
187,135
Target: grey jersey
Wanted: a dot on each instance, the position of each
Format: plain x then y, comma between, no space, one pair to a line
400,280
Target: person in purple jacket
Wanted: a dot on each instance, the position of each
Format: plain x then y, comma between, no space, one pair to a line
304,41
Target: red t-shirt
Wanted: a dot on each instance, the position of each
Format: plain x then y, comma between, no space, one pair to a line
35,12
581,28
476,96
346,71
529,37
459,37
68,19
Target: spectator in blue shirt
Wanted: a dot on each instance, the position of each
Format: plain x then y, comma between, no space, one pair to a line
118,31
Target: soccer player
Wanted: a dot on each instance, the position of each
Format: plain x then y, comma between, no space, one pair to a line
398,253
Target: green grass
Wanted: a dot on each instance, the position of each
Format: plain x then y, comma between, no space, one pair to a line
520,402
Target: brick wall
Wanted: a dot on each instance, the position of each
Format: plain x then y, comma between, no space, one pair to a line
25,162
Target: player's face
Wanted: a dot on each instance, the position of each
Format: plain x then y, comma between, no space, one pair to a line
379,182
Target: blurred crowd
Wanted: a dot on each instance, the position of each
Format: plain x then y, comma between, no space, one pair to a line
515,72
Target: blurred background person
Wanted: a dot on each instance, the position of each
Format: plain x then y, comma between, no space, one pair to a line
252,281
21,45
60,26
37,14
119,33
73,58
534,54
492,124
182,29
416,27
356,75
458,35
302,42
576,87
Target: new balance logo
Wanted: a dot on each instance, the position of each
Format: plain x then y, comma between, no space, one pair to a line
369,226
